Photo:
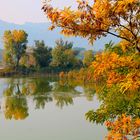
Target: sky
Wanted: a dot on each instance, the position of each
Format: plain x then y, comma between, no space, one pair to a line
21,11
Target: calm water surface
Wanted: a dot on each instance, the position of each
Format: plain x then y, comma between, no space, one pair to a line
46,109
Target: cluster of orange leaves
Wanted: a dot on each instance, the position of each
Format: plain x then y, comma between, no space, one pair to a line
123,128
96,19
106,66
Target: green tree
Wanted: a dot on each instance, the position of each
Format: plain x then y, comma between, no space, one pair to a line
42,54
15,44
63,56
88,58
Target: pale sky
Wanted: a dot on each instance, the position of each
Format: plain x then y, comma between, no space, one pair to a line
21,11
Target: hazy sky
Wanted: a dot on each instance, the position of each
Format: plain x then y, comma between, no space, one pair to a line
21,11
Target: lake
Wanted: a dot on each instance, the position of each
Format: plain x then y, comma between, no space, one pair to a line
47,109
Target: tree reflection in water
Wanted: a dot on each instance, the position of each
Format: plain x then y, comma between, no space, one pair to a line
40,90
119,112
41,93
15,106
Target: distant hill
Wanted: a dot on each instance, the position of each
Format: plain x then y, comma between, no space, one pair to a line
39,31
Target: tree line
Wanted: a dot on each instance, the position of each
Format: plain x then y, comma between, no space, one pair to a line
63,57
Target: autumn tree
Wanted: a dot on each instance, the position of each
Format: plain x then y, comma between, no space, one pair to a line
115,71
15,44
123,128
120,18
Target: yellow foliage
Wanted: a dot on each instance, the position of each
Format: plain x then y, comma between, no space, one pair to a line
120,70
99,18
18,35
122,127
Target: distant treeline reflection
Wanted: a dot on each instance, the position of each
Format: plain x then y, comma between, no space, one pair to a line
41,91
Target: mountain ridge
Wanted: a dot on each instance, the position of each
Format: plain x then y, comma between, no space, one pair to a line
39,31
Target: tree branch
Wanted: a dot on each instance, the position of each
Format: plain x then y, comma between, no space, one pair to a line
117,36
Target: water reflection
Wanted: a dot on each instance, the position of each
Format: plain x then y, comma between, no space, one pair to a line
16,108
120,112
40,91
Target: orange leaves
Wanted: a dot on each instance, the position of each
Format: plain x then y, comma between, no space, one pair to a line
123,127
99,18
62,74
127,34
119,70
53,15
131,82
114,78
101,8
67,16
103,63
123,5
51,27
82,76
67,32
125,45
137,122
